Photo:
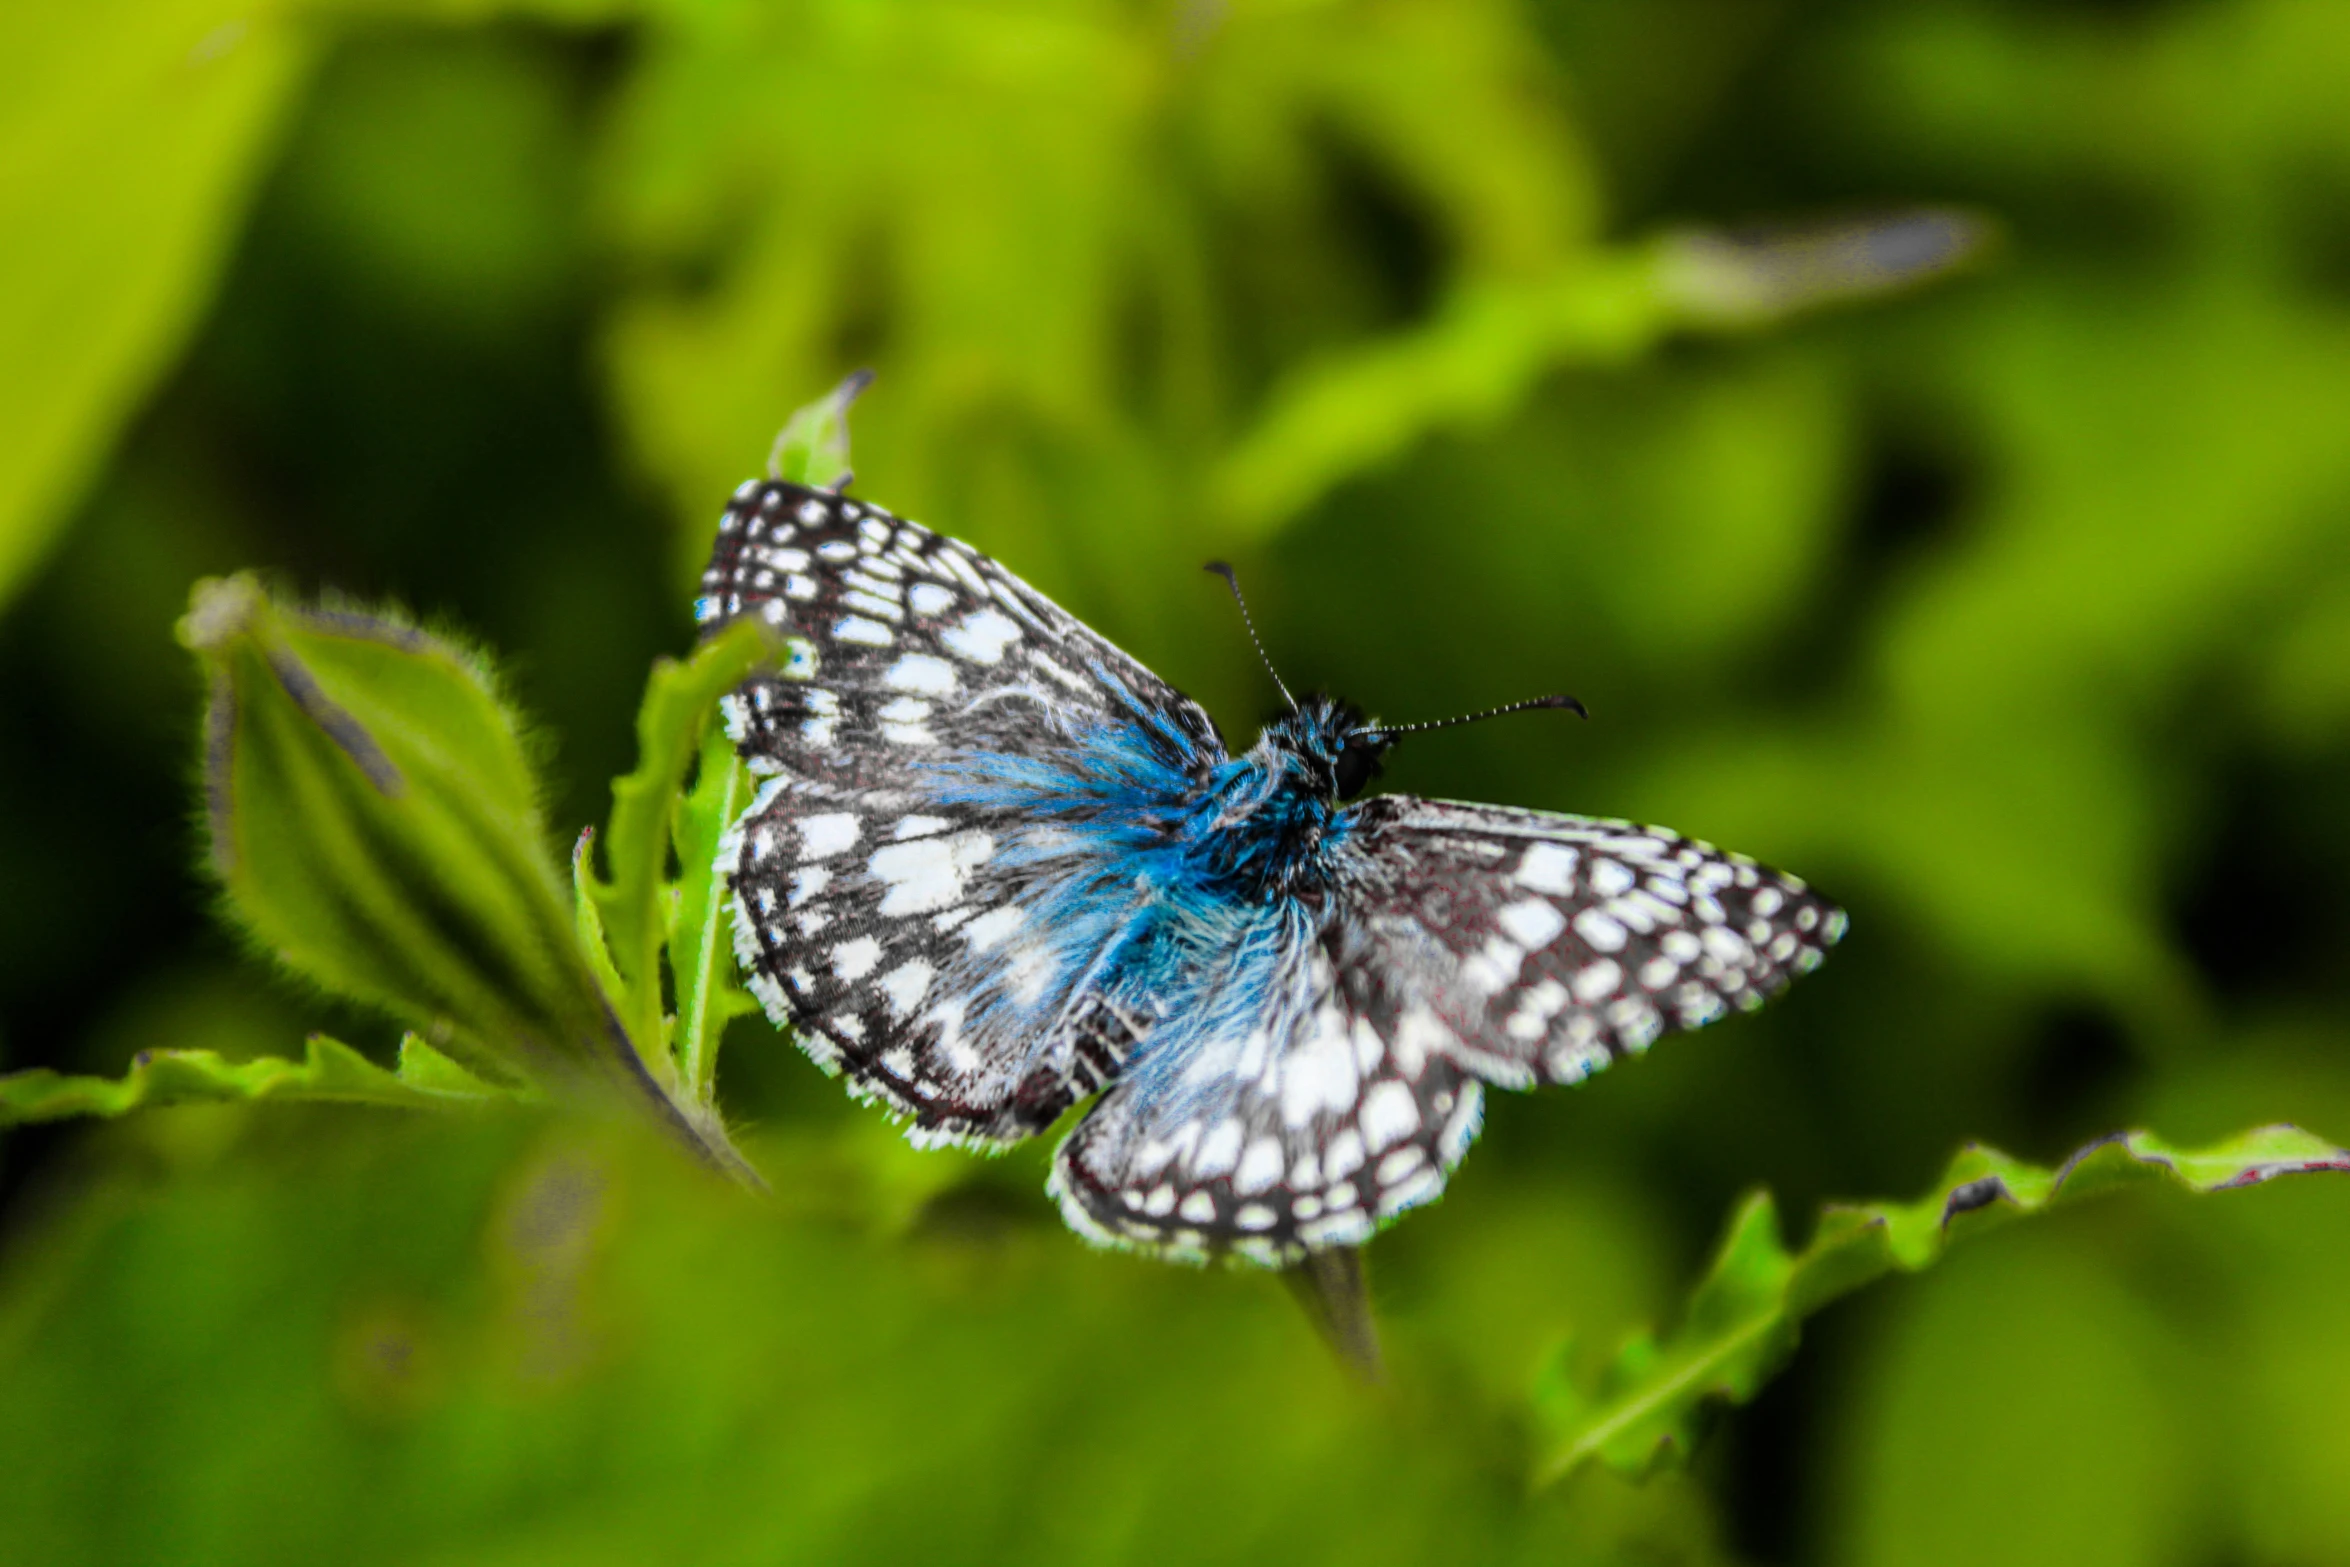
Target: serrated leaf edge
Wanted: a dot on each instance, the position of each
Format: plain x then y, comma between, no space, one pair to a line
1628,1396
329,1071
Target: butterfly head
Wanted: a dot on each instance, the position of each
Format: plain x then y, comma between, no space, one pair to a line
1329,745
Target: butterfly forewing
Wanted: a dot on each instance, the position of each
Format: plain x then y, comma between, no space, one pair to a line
885,914
901,636
1536,947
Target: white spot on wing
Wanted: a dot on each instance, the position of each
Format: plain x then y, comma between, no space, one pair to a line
1462,1128
827,834
905,986
1219,1150
1725,946
853,960
928,873
1260,1167
1419,1034
1496,965
926,673
1610,879
1320,1073
993,926
1030,972
1597,981
982,636
1602,933
1548,867
1532,923
1388,1114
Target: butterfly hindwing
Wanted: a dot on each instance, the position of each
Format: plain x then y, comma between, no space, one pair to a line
1308,1131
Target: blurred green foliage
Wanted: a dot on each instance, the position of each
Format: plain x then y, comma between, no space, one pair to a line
2015,611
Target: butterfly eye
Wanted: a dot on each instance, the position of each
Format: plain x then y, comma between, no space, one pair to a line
1357,765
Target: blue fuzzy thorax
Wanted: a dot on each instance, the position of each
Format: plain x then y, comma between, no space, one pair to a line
1266,824
1239,830
1183,884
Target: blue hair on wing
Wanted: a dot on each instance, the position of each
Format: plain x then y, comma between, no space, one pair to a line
1152,873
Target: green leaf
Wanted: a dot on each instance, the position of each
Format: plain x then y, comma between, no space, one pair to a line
1009,170
587,920
1482,354
131,136
328,1070
700,955
1745,1318
812,449
678,701
428,1071
374,819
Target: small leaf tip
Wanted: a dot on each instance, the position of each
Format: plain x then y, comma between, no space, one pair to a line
220,609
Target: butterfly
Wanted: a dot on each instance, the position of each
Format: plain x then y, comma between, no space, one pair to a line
995,867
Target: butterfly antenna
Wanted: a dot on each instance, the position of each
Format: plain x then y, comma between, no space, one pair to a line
1531,703
1224,570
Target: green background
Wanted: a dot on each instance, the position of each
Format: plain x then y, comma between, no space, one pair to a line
2014,610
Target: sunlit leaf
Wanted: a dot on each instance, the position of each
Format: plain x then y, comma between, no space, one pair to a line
1357,408
373,816
131,136
329,1070
701,951
1745,1317
1019,198
679,701
813,446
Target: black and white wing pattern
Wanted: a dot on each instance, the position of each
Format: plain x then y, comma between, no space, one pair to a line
880,911
1538,948
1467,946
996,866
1310,1130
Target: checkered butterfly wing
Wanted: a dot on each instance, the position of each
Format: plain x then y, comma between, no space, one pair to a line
1468,945
1306,1131
882,920
1538,948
